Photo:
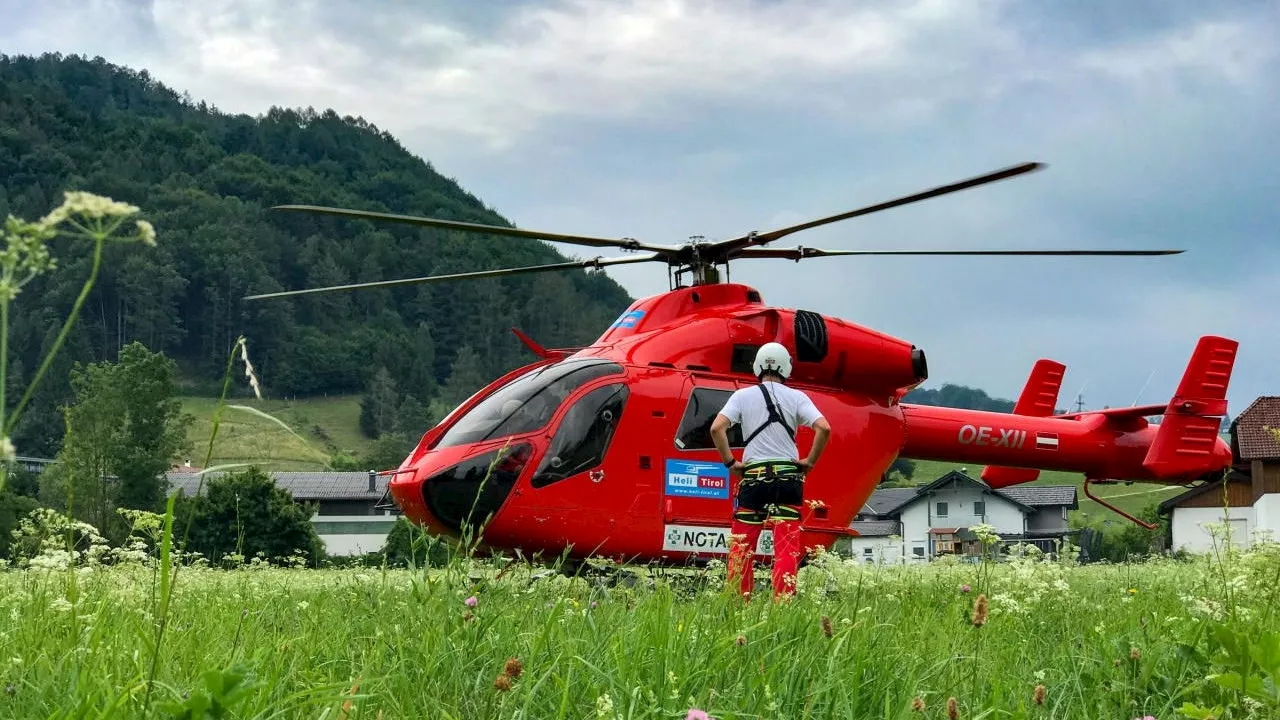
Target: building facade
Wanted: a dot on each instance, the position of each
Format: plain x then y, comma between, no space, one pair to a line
1247,501
925,522
354,513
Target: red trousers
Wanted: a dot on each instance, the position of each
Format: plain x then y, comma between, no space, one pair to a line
786,554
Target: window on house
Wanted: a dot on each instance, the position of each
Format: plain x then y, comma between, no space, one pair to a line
942,509
980,507
918,551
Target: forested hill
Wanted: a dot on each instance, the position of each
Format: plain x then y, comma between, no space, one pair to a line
958,396
205,179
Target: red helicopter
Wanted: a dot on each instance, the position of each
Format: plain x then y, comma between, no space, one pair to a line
605,451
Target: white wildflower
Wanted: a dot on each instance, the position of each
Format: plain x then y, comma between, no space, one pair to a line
248,369
78,202
146,233
8,453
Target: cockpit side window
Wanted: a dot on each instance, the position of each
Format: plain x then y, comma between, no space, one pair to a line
526,403
695,427
584,434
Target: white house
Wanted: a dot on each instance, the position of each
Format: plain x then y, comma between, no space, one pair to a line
920,523
1248,502
352,517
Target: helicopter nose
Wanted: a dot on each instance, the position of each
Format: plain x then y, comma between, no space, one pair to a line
461,490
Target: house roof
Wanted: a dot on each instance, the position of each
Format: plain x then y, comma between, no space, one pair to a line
1251,429
875,528
302,485
1042,495
885,500
888,501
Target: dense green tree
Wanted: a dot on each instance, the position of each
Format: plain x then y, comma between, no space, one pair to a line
468,376
379,405
13,507
407,545
124,430
247,514
413,418
958,396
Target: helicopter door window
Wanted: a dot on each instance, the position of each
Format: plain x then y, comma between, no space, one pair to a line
695,427
526,403
584,434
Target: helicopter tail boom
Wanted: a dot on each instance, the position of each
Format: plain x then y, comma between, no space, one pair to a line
1112,444
1039,398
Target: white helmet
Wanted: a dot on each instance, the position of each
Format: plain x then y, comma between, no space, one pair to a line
773,357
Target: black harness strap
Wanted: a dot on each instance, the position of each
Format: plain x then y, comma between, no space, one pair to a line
774,416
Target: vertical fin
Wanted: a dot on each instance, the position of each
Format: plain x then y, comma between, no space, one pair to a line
1187,438
535,347
1039,398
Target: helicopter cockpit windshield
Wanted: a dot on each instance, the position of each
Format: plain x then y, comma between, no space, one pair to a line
526,403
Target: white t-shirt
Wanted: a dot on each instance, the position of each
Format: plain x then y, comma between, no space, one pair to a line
746,408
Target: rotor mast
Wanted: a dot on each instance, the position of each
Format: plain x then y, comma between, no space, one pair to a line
702,266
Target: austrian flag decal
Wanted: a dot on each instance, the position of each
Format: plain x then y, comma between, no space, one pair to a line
1046,441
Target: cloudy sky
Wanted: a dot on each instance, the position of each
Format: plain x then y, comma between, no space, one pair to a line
661,119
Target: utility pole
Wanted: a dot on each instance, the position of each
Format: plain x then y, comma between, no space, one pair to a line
1079,402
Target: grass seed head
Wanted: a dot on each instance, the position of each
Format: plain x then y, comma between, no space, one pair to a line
503,683
1038,695
953,709
980,611
513,667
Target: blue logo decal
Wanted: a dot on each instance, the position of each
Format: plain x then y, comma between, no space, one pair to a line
627,319
697,479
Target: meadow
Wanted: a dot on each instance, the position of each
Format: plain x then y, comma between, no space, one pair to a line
1031,637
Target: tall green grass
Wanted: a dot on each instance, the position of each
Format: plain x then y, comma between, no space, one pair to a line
859,641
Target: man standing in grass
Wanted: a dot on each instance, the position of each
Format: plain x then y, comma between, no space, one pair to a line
772,485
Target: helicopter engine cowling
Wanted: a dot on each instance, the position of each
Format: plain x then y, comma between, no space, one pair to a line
689,328
829,351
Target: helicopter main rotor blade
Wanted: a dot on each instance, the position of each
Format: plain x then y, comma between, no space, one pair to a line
750,239
594,262
623,243
801,253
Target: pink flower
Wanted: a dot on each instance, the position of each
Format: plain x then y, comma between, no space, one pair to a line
696,714
471,601
964,588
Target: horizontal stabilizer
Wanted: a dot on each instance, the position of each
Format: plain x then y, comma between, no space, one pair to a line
1187,438
1120,413
1039,398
